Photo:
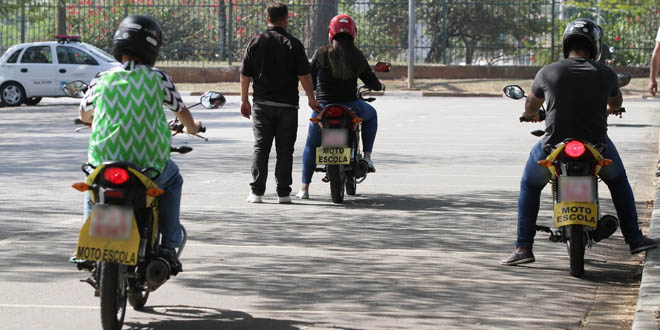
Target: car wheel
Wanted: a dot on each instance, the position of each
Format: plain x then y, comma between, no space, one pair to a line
33,100
12,94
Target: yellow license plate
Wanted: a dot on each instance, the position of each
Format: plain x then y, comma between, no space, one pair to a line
333,155
575,213
106,239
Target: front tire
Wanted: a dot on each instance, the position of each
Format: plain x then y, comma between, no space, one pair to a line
12,94
33,100
351,185
576,245
336,176
113,296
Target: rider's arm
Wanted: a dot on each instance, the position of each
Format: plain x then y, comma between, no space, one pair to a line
369,78
191,125
614,102
532,106
654,68
85,116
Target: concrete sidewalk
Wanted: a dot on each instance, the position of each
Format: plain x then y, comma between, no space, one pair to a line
647,312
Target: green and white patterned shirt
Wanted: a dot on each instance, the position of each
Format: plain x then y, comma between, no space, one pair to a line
129,121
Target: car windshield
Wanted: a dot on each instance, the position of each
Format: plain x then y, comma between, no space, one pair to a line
100,53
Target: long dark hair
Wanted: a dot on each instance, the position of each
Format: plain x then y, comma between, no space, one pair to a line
346,61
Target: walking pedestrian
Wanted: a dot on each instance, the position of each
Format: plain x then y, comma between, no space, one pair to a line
274,62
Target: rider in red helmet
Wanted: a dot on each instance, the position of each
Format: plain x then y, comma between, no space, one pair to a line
335,69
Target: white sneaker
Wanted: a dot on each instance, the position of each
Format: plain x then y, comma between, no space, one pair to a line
255,198
303,194
284,199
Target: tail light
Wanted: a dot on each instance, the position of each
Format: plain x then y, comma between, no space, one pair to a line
574,149
335,111
116,175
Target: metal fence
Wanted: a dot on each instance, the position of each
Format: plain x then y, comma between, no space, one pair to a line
452,32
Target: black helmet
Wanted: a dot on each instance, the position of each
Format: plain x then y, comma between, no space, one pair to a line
139,36
587,29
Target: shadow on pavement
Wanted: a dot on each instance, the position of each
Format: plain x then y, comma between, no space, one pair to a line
205,318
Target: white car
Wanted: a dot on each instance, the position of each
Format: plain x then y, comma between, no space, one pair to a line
34,70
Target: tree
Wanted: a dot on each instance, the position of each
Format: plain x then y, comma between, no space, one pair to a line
320,14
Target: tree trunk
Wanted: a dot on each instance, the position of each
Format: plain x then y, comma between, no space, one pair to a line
316,29
61,17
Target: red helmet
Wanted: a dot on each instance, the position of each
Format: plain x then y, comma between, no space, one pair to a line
341,23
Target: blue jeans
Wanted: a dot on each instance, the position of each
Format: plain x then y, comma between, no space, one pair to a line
369,129
535,177
169,204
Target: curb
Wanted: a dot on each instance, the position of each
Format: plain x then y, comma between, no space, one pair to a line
647,312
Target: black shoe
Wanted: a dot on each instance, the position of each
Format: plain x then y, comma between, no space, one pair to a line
606,226
170,255
644,244
657,172
517,258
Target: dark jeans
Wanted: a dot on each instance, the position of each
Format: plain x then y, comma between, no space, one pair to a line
535,177
281,124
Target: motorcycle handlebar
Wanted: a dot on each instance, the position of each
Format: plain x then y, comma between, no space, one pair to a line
541,117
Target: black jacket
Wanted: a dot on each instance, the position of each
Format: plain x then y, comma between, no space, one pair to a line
332,90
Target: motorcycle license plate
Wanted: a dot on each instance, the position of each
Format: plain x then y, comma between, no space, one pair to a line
111,222
572,213
577,188
110,234
333,155
333,137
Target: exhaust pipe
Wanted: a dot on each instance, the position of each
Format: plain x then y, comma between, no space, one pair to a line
158,272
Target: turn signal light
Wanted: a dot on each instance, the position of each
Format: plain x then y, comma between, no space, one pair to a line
80,186
357,120
545,163
314,120
605,162
155,192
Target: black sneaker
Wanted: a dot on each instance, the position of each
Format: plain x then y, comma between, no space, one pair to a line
518,258
83,264
644,244
170,254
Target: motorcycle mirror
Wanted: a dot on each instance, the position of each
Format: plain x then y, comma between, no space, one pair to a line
538,132
75,88
212,100
514,92
382,67
624,79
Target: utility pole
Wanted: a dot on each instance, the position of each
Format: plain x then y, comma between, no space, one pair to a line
411,44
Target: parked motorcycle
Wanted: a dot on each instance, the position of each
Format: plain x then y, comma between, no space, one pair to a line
119,243
340,155
574,165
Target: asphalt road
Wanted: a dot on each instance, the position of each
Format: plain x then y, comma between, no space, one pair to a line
418,248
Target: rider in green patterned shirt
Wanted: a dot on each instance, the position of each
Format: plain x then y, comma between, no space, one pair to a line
125,107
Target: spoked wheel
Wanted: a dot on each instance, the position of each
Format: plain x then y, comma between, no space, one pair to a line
575,245
113,296
138,299
336,176
351,184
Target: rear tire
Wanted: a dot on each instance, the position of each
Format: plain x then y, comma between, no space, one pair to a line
33,100
336,176
351,185
113,296
576,245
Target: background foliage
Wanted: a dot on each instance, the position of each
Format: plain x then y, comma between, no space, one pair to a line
463,32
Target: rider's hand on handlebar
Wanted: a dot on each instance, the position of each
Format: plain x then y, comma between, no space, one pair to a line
534,119
198,125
